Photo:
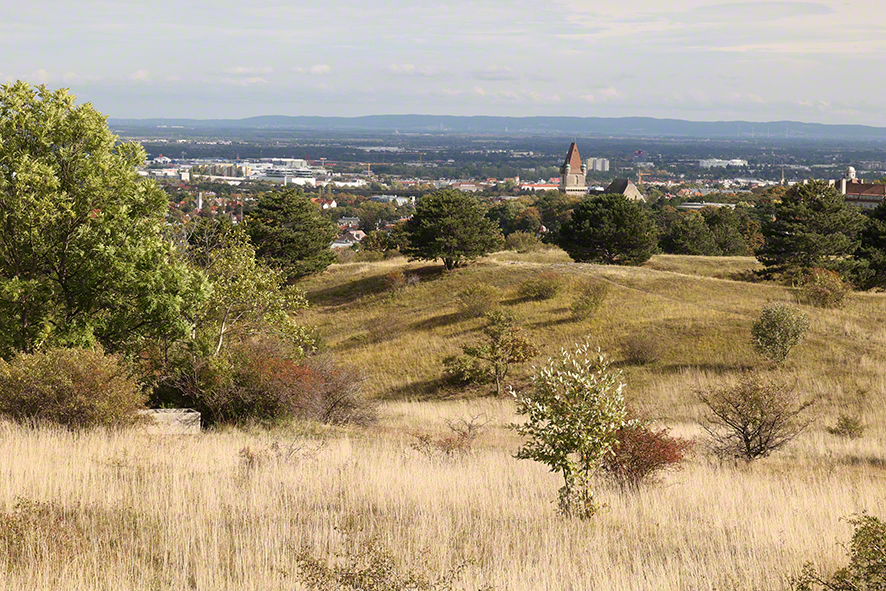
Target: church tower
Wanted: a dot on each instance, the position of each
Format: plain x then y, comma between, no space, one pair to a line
572,173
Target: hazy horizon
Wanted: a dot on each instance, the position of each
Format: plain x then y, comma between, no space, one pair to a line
694,60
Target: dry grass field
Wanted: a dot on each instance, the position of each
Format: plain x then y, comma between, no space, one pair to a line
232,509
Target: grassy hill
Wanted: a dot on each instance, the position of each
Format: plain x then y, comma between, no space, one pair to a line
691,314
236,509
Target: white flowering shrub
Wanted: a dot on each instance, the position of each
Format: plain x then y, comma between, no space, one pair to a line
573,410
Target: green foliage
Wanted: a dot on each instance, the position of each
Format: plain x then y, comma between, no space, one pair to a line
573,412
812,227
609,229
689,234
247,296
465,371
503,346
449,225
847,426
590,298
778,330
290,232
866,570
83,259
755,417
477,300
822,288
641,452
544,286
522,242
872,251
74,388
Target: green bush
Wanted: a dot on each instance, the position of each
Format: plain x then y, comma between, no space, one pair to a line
74,388
848,427
477,300
589,299
866,570
543,287
778,330
822,288
522,242
573,411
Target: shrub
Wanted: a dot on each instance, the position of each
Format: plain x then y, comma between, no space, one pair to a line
754,418
822,288
477,300
642,349
370,566
459,442
543,287
573,411
522,242
867,561
345,255
260,382
464,370
397,280
778,330
74,388
848,427
503,346
589,299
642,452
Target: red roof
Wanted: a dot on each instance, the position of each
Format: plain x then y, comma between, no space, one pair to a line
572,157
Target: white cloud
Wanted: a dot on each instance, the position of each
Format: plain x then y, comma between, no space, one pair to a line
246,71
140,76
317,70
496,73
411,70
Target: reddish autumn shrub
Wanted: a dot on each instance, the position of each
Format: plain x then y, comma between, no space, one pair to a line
641,453
257,382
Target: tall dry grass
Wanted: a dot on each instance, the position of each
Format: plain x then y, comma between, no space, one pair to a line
231,509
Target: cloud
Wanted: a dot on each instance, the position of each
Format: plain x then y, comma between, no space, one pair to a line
140,76
755,12
250,71
247,81
317,70
601,95
495,74
411,70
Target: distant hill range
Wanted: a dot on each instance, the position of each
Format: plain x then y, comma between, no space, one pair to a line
587,126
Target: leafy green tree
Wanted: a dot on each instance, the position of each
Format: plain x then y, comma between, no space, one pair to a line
247,296
726,226
503,346
83,258
872,251
450,225
812,227
289,231
573,411
689,234
609,229
779,329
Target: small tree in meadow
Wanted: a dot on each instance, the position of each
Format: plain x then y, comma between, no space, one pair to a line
755,417
778,330
573,411
503,346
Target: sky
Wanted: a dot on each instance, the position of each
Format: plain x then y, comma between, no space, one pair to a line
700,60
